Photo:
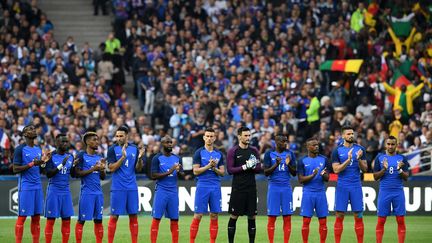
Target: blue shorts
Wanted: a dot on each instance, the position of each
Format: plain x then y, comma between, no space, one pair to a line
124,202
30,202
166,203
314,200
351,195
90,207
58,205
388,199
279,200
208,196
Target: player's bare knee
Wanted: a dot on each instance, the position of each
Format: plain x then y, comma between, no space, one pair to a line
340,214
213,216
198,216
80,222
97,221
251,217
114,216
235,217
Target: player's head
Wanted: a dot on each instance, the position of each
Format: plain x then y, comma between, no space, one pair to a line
121,135
29,131
167,144
244,135
209,136
62,142
91,140
391,144
348,134
281,142
312,146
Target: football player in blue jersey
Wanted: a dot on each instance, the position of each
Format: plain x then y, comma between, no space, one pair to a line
391,169
347,160
123,160
91,169
312,173
208,166
165,168
27,161
279,166
58,202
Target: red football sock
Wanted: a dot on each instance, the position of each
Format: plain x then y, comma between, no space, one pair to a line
99,232
194,229
323,229
133,227
49,228
338,228
112,225
359,229
19,228
35,228
401,228
154,229
174,231
214,226
65,230
271,228
305,229
78,232
287,227
379,230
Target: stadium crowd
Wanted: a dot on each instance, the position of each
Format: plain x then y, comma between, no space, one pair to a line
222,64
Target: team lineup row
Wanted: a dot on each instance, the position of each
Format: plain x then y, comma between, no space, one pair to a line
279,164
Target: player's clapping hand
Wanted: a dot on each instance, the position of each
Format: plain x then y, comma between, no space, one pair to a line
400,164
102,164
278,160
385,163
65,160
213,163
124,150
46,155
359,154
175,167
315,171
141,152
287,160
76,161
350,154
323,172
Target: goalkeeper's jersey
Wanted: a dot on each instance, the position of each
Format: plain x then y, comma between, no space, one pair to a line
245,180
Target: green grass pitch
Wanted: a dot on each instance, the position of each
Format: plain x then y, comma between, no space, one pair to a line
418,230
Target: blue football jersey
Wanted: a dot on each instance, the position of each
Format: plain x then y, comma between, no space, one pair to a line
306,166
124,177
28,179
90,184
391,178
60,181
162,164
351,175
202,157
281,175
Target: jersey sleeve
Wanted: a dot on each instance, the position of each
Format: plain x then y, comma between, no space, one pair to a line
293,161
155,164
197,157
18,155
50,164
221,160
80,164
267,160
300,167
406,165
377,163
111,157
335,156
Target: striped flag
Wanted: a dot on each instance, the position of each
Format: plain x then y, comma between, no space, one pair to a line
4,140
348,66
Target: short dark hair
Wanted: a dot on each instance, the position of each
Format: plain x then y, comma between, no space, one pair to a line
281,135
123,128
88,135
242,129
392,138
311,139
344,128
209,129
